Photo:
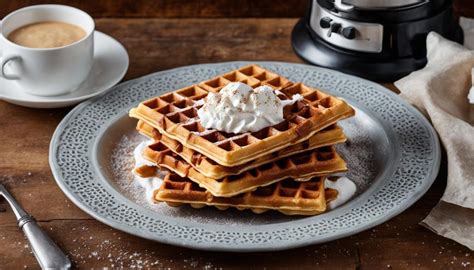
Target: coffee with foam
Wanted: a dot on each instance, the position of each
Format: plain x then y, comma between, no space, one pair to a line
50,34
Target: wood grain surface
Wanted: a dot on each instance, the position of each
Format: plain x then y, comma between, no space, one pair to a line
154,45
192,8
173,8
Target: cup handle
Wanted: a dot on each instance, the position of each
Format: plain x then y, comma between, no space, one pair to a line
4,60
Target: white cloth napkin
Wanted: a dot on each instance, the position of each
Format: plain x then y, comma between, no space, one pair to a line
440,90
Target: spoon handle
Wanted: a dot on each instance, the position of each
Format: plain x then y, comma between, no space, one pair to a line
48,254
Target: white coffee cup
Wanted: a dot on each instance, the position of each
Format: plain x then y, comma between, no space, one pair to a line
47,71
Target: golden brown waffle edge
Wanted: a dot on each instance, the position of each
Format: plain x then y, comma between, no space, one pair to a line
301,167
174,114
206,166
287,196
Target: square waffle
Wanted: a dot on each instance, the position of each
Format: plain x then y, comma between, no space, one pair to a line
287,196
300,167
209,168
175,115
252,75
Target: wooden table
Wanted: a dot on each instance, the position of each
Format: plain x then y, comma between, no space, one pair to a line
158,44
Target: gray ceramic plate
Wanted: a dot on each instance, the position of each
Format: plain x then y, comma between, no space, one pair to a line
393,156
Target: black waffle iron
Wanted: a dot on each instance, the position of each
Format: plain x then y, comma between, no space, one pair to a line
381,40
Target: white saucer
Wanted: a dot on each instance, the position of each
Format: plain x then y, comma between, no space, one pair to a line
110,65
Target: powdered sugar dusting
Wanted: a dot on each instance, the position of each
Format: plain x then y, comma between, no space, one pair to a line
358,152
122,163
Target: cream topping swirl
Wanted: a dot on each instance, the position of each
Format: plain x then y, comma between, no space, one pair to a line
150,184
346,189
239,108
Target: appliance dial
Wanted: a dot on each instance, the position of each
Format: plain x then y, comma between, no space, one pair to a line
325,22
349,32
365,37
335,28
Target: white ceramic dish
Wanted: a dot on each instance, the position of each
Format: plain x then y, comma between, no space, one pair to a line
47,71
109,67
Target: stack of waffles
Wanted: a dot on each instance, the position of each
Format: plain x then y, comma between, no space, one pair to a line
282,167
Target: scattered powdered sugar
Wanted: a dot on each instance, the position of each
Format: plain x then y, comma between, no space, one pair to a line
121,166
122,252
112,254
359,152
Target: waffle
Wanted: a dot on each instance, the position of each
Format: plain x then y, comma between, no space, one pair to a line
301,167
175,115
145,171
252,75
329,136
287,196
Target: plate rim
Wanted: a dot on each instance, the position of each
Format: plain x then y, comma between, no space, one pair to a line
431,174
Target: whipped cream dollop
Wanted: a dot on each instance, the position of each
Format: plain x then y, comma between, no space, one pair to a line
470,95
239,108
138,154
346,189
150,184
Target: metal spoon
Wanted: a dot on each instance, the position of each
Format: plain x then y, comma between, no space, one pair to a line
47,253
